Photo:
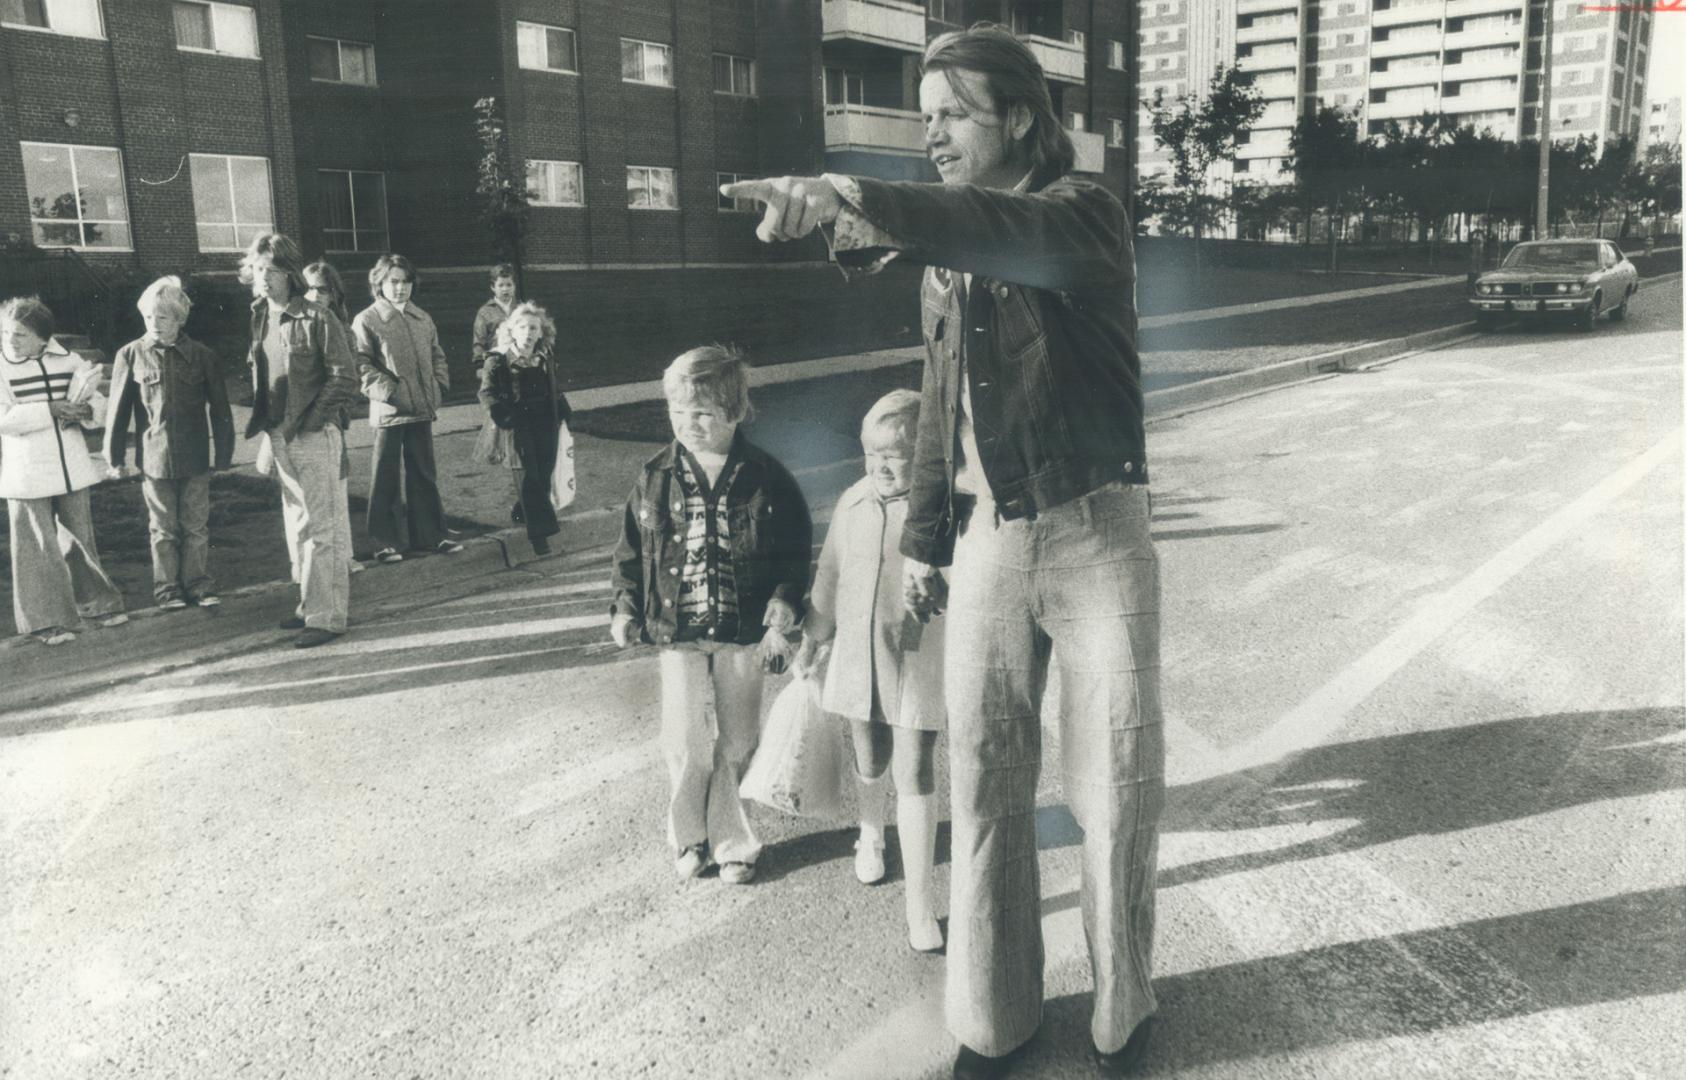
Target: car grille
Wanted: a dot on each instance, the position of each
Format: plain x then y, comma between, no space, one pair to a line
1533,288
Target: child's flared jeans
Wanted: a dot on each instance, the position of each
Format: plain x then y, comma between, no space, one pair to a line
1080,580
711,721
57,579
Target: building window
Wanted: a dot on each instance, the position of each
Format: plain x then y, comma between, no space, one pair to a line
226,29
545,48
353,210
1115,55
1115,132
1163,62
76,196
1079,122
555,183
78,18
231,200
650,188
844,87
734,206
734,75
1077,38
946,11
332,60
646,62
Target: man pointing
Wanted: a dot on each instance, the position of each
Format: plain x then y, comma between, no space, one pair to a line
1030,485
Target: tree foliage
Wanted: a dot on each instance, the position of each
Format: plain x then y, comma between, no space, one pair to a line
1199,134
502,189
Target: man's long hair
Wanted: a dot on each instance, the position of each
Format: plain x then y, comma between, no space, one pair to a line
1013,77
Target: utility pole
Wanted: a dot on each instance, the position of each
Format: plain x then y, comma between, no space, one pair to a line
1542,212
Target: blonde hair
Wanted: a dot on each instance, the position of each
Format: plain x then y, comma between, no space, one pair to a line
525,310
165,294
718,374
896,413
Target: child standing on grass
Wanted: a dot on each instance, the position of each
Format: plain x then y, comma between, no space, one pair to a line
171,389
405,376
712,565
492,447
47,399
518,388
885,671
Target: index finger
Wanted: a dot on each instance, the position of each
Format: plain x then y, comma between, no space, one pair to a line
759,190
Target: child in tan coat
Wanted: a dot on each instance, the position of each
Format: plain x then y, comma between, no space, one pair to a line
885,672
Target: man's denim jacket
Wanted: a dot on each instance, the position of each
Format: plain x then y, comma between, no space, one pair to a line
772,543
1047,332
321,374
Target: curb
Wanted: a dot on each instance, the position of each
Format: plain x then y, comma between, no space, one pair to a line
1174,401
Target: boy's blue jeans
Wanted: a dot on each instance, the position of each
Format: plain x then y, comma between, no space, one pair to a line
1080,581
178,513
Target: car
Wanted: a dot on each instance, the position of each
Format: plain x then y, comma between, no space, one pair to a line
1582,279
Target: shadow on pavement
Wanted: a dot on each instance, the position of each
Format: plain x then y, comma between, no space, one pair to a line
1410,984
1432,782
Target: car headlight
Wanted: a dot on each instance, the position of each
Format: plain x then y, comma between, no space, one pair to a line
1484,290
1564,287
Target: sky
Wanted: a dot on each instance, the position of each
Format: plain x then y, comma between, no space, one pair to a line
1668,46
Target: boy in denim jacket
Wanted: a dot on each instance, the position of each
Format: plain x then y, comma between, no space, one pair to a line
712,565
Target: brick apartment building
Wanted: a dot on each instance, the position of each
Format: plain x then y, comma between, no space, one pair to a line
185,127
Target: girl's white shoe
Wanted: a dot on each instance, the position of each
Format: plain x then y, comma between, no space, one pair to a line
869,861
923,933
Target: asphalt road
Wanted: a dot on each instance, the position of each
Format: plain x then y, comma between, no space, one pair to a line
1423,666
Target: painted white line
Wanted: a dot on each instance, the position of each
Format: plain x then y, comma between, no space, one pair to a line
1314,719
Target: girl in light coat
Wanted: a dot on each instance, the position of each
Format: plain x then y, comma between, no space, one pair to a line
885,671
48,396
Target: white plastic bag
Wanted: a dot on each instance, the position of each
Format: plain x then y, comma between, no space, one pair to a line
562,477
800,764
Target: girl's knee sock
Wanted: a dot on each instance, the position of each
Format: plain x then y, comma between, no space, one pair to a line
873,797
916,821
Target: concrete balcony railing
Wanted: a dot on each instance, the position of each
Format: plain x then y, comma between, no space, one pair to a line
1262,7
1059,59
1401,16
1091,151
1405,45
896,24
1278,114
1264,145
1492,101
1416,75
1403,108
882,131
1273,31
1480,69
1481,37
1459,8
1274,60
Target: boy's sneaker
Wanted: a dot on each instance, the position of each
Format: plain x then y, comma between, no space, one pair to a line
174,603
690,862
446,547
54,635
208,600
737,873
109,621
388,555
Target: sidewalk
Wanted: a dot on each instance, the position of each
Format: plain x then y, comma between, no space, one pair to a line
808,415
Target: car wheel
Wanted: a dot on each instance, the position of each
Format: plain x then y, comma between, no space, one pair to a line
1619,312
1589,315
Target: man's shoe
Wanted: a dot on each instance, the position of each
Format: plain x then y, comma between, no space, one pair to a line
690,862
971,1065
541,546
291,622
1128,1058
174,603
312,636
208,600
388,555
446,547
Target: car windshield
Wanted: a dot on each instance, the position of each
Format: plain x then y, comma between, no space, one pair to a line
1553,257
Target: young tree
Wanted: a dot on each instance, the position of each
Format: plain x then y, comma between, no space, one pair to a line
1201,134
1327,158
502,187
1661,191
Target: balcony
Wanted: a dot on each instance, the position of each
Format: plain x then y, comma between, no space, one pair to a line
1273,60
1483,7
1288,30
1263,7
1481,69
1483,36
1405,45
1278,114
879,131
1091,151
1404,108
1401,16
1415,75
892,23
1491,101
1059,59
1264,145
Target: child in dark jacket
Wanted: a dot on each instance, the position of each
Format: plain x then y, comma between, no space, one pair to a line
712,566
518,387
